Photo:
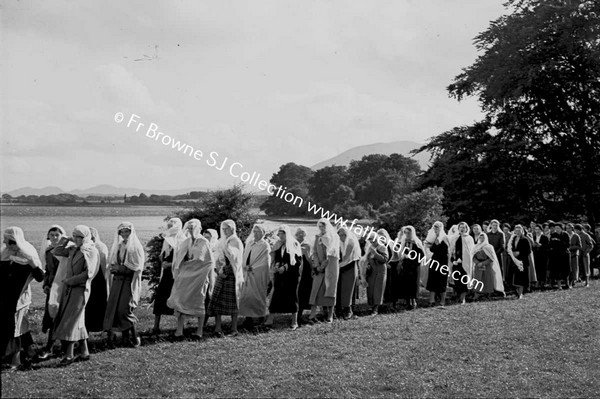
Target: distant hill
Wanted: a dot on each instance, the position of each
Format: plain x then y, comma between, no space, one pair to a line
102,190
396,147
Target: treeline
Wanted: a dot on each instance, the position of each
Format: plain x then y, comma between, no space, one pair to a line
378,187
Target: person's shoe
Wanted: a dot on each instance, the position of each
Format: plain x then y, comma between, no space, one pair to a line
329,321
293,327
67,361
81,358
219,334
233,334
374,312
137,343
156,331
177,338
311,321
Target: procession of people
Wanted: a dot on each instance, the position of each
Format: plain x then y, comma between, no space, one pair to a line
206,274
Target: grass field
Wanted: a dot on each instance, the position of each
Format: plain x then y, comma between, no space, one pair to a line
546,345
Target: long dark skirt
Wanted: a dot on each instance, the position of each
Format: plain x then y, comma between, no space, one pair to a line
392,284
224,297
559,265
95,308
520,278
119,314
436,281
306,282
459,286
47,321
409,280
346,284
541,265
163,291
285,291
376,284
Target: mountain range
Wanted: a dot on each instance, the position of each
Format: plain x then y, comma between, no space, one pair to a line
356,153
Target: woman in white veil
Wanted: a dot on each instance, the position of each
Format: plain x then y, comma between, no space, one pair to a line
326,257
438,245
486,267
126,262
460,253
20,265
50,264
409,276
350,251
225,300
74,280
193,266
257,261
172,238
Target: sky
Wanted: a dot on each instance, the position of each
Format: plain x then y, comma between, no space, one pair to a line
262,83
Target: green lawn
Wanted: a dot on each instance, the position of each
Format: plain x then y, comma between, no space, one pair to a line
546,345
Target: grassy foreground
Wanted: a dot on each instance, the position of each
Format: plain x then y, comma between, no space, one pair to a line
546,345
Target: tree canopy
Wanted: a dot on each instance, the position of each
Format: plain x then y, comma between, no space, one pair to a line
537,152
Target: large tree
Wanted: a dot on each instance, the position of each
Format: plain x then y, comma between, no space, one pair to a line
293,178
538,81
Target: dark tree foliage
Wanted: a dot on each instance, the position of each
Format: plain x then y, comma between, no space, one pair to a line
294,178
419,209
538,151
212,209
324,185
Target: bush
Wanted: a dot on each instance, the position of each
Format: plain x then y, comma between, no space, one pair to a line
419,209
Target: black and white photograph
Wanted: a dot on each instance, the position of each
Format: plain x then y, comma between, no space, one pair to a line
300,198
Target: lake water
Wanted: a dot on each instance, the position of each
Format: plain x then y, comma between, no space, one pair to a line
148,220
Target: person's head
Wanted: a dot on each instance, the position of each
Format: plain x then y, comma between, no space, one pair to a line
532,225
538,229
125,233
578,228
463,228
558,227
506,228
495,225
546,227
81,235
258,233
12,235
300,234
281,234
408,233
519,230
322,227
343,234
207,235
587,227
570,228
54,235
228,228
481,238
476,230
437,227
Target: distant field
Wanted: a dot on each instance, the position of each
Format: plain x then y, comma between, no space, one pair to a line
546,345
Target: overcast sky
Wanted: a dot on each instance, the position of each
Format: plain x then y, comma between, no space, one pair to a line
261,82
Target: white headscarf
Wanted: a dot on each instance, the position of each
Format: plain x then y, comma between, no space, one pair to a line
135,259
350,248
441,236
172,237
415,239
330,239
292,246
185,245
214,239
250,240
26,251
46,242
